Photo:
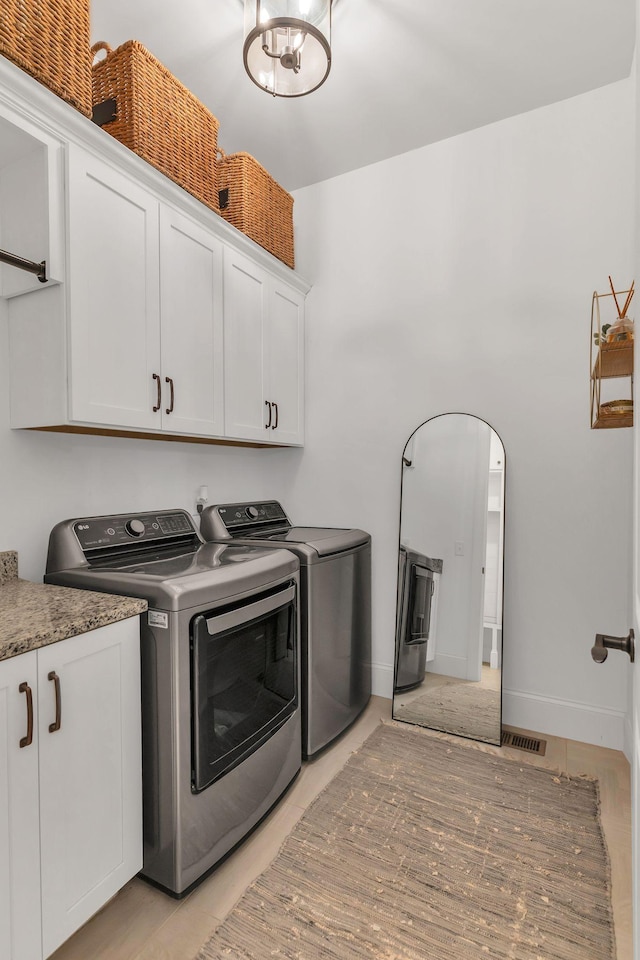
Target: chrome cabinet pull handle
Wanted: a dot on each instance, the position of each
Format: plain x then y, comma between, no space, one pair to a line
275,426
159,396
267,425
58,721
26,741
171,398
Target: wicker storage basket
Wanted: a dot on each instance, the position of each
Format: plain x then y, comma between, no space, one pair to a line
50,40
253,202
158,118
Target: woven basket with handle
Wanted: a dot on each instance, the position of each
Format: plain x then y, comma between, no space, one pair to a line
256,204
158,118
50,40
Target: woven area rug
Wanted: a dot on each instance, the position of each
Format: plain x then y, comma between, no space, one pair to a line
462,708
421,849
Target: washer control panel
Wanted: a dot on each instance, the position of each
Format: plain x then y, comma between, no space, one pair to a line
237,516
115,531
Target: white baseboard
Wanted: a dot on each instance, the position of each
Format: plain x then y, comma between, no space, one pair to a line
382,680
447,666
561,718
564,718
628,737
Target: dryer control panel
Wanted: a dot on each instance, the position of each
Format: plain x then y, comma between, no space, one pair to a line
241,516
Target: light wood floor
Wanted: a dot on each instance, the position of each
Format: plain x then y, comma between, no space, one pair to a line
491,680
141,923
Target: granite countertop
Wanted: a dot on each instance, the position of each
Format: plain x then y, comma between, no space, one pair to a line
33,615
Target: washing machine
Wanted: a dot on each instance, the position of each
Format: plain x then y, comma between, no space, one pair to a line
221,719
335,609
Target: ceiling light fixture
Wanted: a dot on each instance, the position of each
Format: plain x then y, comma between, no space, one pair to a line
287,45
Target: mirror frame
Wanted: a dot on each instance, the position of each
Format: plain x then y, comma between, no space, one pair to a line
405,462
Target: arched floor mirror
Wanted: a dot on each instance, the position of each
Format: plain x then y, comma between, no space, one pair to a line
448,656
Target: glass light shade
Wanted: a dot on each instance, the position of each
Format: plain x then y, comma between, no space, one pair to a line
287,44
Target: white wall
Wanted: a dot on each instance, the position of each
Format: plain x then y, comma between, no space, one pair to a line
458,278
48,477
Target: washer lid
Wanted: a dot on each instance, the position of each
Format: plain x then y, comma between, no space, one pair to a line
324,540
212,574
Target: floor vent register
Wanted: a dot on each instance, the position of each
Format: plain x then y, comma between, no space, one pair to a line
522,742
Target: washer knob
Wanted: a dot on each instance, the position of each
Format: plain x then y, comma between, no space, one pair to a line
134,528
252,512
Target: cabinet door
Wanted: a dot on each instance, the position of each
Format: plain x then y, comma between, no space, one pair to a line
284,359
90,774
113,296
245,306
19,813
191,327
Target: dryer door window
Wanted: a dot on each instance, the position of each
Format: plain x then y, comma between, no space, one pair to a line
244,681
420,595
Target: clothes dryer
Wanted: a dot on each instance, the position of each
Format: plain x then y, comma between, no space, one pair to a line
335,609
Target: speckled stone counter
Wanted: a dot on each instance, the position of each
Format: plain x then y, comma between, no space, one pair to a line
8,566
33,615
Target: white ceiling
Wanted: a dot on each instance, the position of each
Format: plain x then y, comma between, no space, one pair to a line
405,73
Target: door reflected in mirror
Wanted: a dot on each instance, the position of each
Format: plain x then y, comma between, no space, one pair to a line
448,657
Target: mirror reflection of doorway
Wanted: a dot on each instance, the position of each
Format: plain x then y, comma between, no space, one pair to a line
450,575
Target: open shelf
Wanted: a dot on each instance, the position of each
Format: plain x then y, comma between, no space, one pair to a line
609,361
609,420
614,360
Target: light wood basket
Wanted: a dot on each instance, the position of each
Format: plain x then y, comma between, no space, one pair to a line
256,204
158,118
49,39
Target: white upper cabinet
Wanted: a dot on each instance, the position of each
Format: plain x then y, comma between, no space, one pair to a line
161,319
191,327
264,355
145,308
113,296
284,360
245,306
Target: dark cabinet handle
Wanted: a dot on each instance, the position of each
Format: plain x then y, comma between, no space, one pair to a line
159,397
275,426
56,680
170,407
604,643
25,688
267,425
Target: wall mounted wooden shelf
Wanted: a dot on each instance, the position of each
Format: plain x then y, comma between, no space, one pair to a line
614,359
609,361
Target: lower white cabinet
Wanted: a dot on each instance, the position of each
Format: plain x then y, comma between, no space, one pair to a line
71,793
20,916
